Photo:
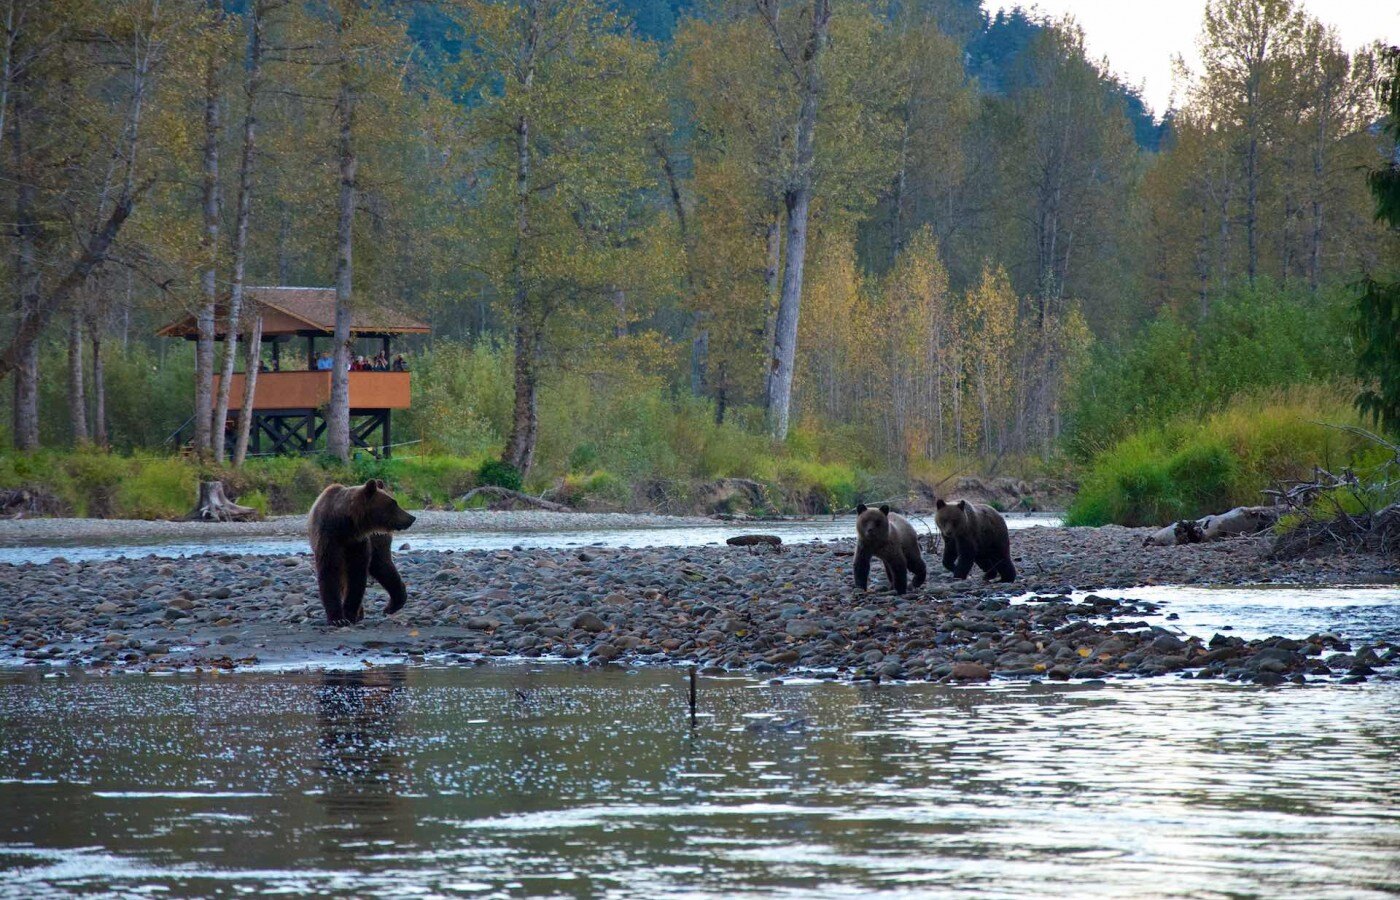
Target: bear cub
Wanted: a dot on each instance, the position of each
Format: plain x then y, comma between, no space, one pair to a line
349,529
889,536
974,533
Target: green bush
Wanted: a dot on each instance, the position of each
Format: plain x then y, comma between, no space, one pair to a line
1187,468
1254,340
500,474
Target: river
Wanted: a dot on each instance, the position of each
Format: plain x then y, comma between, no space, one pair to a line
792,531
551,780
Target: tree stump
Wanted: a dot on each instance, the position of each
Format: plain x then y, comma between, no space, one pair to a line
215,506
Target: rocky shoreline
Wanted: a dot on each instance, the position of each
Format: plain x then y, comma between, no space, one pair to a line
724,609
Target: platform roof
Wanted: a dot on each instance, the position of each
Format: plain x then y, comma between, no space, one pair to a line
305,311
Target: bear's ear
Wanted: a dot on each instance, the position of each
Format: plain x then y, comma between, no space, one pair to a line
861,507
962,505
939,504
379,483
371,486
885,508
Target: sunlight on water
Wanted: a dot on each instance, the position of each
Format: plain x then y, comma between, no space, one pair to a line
560,781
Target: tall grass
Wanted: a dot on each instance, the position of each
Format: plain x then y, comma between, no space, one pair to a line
1189,468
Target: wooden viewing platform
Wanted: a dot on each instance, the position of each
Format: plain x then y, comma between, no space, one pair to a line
289,405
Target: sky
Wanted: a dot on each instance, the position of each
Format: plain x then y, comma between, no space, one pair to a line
1140,37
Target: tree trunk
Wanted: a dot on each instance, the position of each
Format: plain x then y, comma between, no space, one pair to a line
798,201
773,245
524,428
1319,169
99,389
77,396
338,413
26,271
240,231
205,317
699,357
251,365
1251,212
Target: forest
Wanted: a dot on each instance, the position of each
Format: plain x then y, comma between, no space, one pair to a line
832,246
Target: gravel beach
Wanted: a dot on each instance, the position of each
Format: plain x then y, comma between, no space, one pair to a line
755,611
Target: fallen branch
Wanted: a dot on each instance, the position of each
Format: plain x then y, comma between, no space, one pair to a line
504,498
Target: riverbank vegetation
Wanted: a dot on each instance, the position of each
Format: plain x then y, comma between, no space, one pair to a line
831,249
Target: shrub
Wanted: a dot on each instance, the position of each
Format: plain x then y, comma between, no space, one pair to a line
159,489
1188,468
500,474
1254,340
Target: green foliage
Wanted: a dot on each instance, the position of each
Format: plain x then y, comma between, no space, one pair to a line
1378,304
499,474
1378,356
461,399
1188,468
596,489
157,489
1254,339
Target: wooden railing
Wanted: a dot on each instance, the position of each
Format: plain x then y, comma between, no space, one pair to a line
312,390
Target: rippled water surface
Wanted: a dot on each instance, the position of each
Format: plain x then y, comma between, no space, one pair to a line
793,531
560,781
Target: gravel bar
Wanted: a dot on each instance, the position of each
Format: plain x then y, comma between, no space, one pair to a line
793,610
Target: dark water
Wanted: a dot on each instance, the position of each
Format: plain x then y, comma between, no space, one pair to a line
559,781
793,532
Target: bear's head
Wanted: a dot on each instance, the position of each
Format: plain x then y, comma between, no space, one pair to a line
950,517
379,511
873,525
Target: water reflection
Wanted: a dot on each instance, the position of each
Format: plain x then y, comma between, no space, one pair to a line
562,781
362,767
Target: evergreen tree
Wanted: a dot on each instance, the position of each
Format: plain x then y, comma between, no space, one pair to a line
1378,307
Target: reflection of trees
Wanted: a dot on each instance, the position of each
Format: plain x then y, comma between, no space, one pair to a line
362,764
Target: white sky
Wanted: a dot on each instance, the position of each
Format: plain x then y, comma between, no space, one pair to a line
1140,37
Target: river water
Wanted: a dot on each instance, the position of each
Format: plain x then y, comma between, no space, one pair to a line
792,531
508,781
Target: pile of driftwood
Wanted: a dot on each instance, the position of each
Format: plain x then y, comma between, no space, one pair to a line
1339,511
24,503
1238,521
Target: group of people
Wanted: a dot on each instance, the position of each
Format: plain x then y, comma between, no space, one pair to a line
377,363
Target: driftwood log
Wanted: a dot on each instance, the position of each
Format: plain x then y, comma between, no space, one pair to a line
214,505
505,498
1238,521
751,540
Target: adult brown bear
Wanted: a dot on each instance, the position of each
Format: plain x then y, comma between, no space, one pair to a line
888,536
349,529
974,533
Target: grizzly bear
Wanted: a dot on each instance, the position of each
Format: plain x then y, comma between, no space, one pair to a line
889,536
349,529
974,533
